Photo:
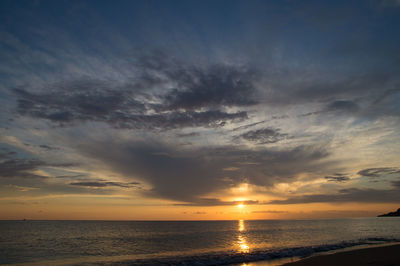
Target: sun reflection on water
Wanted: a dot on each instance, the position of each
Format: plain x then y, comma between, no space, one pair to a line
243,246
241,240
241,226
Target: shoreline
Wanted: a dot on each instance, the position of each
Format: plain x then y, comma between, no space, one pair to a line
319,258
377,255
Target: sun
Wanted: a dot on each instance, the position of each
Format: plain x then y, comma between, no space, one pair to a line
240,205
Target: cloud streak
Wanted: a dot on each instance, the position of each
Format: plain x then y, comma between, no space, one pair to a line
378,172
338,177
97,184
21,168
264,136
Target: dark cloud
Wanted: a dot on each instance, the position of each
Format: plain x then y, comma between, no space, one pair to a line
216,86
378,172
279,117
347,195
175,95
343,106
264,136
309,114
13,167
77,100
190,174
43,146
210,118
76,105
165,93
98,184
70,176
47,147
248,125
7,154
396,184
20,168
65,165
338,177
198,86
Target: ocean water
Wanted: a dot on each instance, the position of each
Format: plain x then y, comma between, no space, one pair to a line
183,242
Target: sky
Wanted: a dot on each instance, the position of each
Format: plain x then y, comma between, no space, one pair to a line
199,110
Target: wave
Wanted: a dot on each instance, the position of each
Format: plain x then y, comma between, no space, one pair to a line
257,255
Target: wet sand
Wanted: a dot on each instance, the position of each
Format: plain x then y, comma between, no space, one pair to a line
373,256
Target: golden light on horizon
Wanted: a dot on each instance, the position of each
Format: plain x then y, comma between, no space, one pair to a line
240,205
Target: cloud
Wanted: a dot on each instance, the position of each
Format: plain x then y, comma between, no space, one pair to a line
7,154
70,176
115,108
98,184
263,136
13,167
187,135
396,184
218,85
189,174
47,147
338,177
248,126
77,100
198,86
346,195
343,106
378,172
20,168
175,95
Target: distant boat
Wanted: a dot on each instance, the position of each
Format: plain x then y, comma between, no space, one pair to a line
391,214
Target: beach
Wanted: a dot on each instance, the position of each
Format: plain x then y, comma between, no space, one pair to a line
372,256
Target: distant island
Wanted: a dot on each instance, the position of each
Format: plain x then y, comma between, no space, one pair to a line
390,214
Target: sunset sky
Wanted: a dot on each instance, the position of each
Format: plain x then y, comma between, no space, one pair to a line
131,110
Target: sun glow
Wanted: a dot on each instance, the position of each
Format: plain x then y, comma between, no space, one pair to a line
240,205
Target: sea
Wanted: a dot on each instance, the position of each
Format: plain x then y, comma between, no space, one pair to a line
185,242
